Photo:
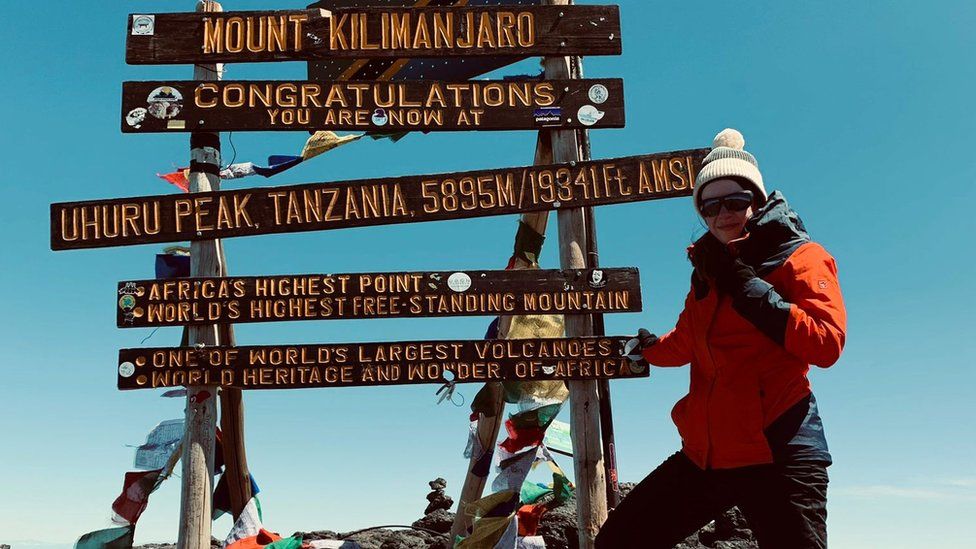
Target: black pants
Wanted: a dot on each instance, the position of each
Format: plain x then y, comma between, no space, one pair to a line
785,504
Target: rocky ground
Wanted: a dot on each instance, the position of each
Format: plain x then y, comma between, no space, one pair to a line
558,528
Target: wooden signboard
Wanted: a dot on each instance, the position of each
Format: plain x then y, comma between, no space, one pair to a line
285,105
194,301
357,364
385,201
302,35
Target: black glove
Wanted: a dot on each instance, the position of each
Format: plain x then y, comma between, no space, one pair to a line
646,338
732,274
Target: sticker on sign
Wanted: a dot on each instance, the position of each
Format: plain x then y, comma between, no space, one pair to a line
459,282
143,25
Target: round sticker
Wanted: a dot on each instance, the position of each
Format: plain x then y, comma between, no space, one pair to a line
143,25
598,93
165,102
379,117
589,115
126,369
459,282
136,117
127,302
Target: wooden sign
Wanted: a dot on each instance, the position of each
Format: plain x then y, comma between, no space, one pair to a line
191,301
357,364
187,105
358,203
301,35
408,68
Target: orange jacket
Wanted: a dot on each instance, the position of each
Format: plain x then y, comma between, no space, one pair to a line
750,355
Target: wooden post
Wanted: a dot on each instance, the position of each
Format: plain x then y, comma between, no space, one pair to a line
591,501
201,404
232,427
602,385
490,426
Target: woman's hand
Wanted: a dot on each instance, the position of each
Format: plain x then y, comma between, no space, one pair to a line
645,338
732,274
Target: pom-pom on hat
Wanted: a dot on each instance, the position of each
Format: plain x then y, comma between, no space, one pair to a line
729,159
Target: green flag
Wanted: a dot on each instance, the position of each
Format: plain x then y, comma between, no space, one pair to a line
285,543
111,538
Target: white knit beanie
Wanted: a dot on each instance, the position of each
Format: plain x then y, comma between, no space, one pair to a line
729,159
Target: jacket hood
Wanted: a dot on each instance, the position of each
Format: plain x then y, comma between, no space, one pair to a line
774,233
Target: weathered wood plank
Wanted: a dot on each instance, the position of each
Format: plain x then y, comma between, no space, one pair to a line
384,201
374,364
290,105
193,301
295,35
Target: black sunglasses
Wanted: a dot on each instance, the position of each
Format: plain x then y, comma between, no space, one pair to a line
735,202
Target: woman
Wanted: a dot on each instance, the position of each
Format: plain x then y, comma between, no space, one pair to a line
764,305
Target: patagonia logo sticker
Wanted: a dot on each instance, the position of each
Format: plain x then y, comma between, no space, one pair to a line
548,116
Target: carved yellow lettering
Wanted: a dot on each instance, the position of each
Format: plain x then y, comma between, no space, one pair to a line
213,35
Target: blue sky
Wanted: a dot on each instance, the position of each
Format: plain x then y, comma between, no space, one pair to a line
861,113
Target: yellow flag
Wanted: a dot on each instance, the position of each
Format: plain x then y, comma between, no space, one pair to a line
321,142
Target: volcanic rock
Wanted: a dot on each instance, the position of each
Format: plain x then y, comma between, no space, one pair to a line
437,498
439,521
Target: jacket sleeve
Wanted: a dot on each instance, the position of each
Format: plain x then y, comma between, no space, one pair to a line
812,325
675,347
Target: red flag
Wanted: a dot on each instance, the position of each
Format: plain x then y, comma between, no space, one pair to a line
135,494
263,538
528,519
520,438
177,178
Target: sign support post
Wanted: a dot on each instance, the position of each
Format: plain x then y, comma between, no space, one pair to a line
603,388
232,429
591,500
490,426
201,405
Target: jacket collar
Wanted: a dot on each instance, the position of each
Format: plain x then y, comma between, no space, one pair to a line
772,235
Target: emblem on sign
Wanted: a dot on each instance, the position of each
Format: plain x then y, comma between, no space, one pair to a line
143,25
136,117
459,282
631,349
130,288
588,115
597,280
127,302
126,369
598,93
165,102
380,117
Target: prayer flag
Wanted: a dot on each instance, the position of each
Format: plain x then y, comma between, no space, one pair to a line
558,437
159,446
325,141
247,525
135,494
180,178
278,164
111,538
